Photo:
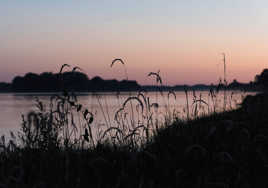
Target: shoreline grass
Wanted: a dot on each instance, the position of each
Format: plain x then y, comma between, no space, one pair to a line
218,149
227,149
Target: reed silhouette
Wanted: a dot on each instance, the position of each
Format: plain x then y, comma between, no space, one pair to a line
215,149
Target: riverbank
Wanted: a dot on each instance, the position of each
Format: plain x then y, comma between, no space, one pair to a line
228,149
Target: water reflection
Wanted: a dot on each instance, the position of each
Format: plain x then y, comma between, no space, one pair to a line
105,105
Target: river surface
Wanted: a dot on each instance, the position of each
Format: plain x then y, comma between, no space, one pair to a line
105,105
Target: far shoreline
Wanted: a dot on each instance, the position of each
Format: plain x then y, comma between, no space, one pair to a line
86,93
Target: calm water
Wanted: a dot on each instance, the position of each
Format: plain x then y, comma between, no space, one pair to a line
105,105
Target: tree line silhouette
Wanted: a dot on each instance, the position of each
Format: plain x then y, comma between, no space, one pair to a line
78,81
71,81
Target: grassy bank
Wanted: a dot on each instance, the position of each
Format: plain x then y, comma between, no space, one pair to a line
226,149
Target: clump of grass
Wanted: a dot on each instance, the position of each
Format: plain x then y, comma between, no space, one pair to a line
56,126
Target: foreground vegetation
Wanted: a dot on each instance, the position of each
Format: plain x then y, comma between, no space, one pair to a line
226,149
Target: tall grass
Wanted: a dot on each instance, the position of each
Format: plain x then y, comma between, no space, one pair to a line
141,145
67,123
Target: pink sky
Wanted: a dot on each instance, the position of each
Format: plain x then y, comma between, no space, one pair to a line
185,47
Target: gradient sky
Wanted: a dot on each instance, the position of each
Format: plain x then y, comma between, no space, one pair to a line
183,39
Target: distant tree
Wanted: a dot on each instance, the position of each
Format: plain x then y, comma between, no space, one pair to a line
97,79
49,82
262,80
256,79
32,82
5,87
75,81
234,85
96,84
18,83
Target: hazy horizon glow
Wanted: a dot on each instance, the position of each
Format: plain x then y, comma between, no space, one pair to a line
183,39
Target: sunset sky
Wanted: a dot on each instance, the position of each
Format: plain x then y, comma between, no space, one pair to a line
183,39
